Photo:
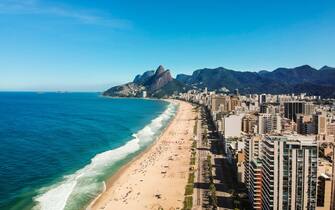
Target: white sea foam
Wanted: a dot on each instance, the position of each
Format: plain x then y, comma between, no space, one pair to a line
86,180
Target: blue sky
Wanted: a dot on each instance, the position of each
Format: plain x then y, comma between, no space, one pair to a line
89,45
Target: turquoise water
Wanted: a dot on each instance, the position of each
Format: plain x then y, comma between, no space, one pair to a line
57,149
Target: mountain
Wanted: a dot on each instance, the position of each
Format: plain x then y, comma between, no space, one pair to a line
161,78
282,80
127,90
301,74
141,79
160,83
157,83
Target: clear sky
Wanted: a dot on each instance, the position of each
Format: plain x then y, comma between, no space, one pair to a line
91,44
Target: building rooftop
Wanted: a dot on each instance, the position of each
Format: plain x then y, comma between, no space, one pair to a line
325,176
297,139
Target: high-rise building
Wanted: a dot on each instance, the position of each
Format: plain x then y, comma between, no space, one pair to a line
263,108
224,103
269,123
255,189
248,158
232,126
309,108
216,101
332,199
320,122
324,192
331,128
253,170
234,102
292,108
268,108
305,124
249,124
289,173
240,167
262,99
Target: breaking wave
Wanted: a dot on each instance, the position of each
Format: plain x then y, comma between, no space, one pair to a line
85,184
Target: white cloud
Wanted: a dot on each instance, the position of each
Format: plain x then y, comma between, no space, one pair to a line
35,7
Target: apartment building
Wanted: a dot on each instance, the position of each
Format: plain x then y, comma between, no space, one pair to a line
253,170
269,123
289,175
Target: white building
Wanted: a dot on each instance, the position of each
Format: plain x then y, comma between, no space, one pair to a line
289,172
144,94
232,126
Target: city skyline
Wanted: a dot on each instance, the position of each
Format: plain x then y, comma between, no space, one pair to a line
66,45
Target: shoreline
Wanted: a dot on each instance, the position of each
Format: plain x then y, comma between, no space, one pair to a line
109,182
146,98
118,179
86,184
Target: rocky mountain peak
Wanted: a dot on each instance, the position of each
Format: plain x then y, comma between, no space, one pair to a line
159,70
157,83
160,79
142,78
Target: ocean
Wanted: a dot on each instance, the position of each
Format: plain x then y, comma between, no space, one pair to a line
57,149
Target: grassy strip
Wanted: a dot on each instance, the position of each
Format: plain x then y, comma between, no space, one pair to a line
188,203
193,161
212,189
195,128
191,178
189,189
194,145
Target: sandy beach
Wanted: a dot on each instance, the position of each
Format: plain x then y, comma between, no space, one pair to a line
156,179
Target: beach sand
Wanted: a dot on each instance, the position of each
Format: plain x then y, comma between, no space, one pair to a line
156,179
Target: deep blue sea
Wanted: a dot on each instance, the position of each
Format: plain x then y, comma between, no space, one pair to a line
57,149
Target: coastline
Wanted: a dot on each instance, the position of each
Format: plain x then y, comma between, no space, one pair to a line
79,188
109,182
136,98
118,181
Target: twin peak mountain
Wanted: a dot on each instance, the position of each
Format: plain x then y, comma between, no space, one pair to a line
301,79
157,84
